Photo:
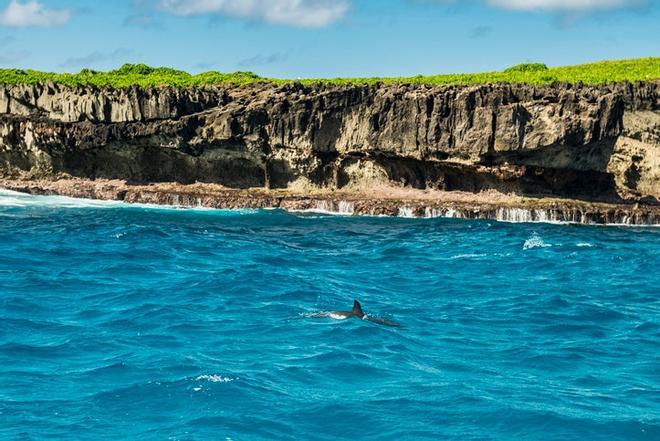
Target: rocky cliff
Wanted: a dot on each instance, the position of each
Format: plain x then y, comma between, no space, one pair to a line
578,141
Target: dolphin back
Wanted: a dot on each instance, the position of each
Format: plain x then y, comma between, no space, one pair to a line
382,321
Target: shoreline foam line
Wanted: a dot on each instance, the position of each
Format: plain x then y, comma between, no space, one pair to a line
73,202
244,203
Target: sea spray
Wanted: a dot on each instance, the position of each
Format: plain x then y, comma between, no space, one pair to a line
406,212
535,241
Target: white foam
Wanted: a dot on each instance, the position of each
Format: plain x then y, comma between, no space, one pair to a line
342,208
535,241
406,212
346,207
545,216
449,213
9,198
13,199
337,316
585,245
323,314
214,378
536,215
17,199
10,202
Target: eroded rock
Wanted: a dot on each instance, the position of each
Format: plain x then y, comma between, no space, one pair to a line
589,142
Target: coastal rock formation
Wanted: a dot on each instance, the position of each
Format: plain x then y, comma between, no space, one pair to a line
586,142
407,203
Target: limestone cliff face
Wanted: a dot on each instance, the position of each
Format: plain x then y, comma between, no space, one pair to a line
592,142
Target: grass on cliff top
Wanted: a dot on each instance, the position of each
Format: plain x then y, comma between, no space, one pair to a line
639,69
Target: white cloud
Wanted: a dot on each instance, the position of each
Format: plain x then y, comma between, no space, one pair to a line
302,13
563,5
32,14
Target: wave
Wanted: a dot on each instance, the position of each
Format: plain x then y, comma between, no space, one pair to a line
584,245
10,198
15,199
330,208
468,256
214,378
535,241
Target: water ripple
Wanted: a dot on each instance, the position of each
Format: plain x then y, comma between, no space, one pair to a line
121,322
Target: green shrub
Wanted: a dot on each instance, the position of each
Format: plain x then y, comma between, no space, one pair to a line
527,67
132,69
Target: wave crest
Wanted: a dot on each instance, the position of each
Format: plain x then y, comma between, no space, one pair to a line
214,378
535,241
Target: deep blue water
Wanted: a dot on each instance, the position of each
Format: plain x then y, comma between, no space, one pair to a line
121,322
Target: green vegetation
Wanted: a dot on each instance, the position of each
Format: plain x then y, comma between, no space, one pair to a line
531,73
527,67
126,76
640,69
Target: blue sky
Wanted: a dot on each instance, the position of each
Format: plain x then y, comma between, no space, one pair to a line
324,38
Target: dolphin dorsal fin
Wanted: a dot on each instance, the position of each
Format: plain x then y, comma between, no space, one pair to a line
357,308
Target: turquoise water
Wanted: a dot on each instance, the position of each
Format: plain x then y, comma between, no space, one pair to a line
121,322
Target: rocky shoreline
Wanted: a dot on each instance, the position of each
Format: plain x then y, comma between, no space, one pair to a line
381,202
558,153
596,143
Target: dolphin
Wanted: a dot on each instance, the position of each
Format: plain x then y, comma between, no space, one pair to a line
357,312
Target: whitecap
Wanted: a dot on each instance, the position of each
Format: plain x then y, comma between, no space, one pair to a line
214,378
535,241
585,245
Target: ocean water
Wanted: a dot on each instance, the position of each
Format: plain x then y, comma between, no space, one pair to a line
134,322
